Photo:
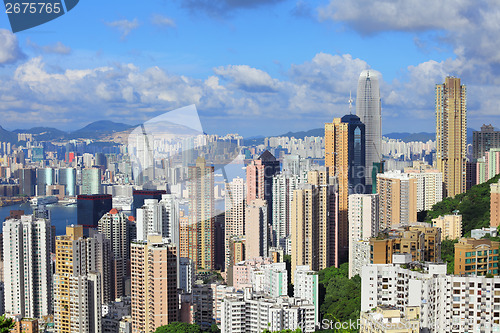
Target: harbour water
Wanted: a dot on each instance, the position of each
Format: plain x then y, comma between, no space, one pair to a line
61,215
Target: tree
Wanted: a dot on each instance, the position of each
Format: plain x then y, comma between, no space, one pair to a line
448,254
179,327
340,297
6,324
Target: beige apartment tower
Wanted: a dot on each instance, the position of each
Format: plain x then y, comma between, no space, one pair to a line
337,161
397,199
451,134
154,284
495,205
450,225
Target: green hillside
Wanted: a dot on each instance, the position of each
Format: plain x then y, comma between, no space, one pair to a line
474,206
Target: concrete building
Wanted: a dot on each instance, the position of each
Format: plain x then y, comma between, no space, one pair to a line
283,186
315,232
480,233
397,199
306,286
495,204
26,266
81,281
450,225
187,272
451,134
270,279
363,224
388,319
154,284
484,140
242,271
257,229
429,186
115,226
260,174
201,213
422,242
234,214
448,303
476,257
253,313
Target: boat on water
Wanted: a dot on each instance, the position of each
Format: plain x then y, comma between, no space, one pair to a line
37,201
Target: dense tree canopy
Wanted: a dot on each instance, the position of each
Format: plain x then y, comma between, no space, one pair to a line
179,327
474,206
6,324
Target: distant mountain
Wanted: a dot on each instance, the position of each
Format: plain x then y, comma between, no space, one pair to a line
44,133
258,140
7,136
422,136
100,128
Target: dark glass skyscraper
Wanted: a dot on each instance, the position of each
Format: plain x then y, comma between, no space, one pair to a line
90,208
356,142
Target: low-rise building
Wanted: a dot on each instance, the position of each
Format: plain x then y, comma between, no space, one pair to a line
388,319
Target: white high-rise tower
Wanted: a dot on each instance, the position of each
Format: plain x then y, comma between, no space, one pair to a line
368,109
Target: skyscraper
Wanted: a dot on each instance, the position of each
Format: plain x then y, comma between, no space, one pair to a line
91,181
451,134
235,213
368,109
154,284
114,225
284,184
257,229
44,177
345,157
81,281
201,212
67,177
27,271
90,208
260,174
484,140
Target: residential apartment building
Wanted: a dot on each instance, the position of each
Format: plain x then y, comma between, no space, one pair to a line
26,266
397,198
476,257
154,284
450,225
363,225
495,204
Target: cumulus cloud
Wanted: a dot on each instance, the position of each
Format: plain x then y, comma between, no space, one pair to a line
10,51
162,21
124,26
247,78
57,48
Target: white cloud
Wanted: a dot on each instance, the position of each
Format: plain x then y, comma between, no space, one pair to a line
247,78
9,50
162,21
58,48
124,26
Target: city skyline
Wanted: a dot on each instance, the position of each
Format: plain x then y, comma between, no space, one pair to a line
150,60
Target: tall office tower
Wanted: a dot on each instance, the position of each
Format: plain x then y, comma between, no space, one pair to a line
90,208
235,214
159,217
256,229
145,158
283,186
397,199
44,178
154,284
495,205
260,174
27,271
314,228
345,158
429,187
363,224
27,182
82,280
451,134
91,181
140,195
484,140
201,212
67,177
368,109
115,226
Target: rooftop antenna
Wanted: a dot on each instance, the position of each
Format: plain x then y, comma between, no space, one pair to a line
350,102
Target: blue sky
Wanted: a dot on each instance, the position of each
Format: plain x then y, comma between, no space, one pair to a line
252,67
